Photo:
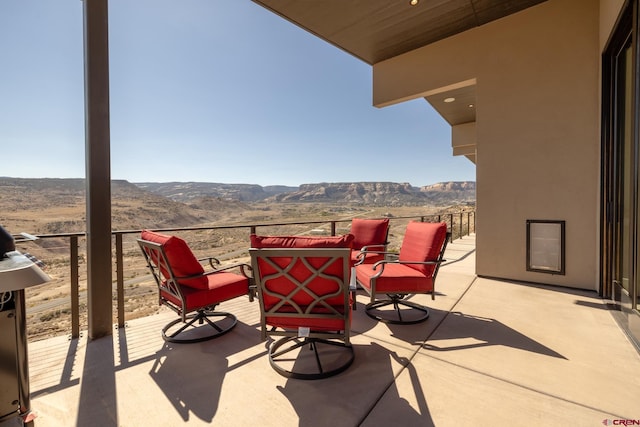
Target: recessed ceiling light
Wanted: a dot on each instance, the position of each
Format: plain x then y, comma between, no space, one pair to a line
448,100
471,105
413,2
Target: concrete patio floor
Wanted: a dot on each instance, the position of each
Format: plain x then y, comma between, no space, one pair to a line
493,353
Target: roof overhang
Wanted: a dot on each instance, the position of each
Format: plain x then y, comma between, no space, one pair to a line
375,30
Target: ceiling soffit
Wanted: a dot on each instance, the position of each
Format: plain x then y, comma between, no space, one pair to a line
456,106
376,30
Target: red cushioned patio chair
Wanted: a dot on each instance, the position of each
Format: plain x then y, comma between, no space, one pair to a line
370,236
413,271
303,289
192,293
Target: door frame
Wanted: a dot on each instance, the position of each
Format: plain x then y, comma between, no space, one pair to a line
625,304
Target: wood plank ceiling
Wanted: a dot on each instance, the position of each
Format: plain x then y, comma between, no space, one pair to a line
375,30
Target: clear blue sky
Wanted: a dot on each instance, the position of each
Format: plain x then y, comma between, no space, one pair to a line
207,90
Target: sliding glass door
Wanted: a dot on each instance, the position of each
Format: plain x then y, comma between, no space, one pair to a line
621,171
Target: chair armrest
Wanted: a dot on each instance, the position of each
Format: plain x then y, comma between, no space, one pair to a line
370,248
366,250
380,265
240,265
215,264
211,260
421,262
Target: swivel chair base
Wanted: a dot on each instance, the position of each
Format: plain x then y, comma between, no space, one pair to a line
419,312
195,330
307,363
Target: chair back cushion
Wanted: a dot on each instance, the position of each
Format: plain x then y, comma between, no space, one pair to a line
261,242
369,232
423,241
180,258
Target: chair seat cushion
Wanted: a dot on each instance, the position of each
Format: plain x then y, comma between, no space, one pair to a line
221,287
179,255
396,278
313,323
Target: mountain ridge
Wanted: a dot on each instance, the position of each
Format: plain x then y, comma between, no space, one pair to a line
190,190
57,205
365,192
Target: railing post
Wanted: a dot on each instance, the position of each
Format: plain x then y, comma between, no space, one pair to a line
120,280
460,236
451,222
474,221
75,292
333,228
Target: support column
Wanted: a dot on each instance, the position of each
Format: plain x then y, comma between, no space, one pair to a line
98,162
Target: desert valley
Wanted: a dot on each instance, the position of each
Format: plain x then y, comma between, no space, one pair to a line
53,208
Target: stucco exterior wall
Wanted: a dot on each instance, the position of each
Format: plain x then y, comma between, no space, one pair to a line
537,125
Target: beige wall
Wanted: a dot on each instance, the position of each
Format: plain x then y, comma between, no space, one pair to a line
464,140
537,128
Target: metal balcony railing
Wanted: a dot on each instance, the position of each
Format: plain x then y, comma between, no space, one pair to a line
67,302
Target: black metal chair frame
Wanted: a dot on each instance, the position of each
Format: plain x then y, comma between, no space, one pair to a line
279,351
157,261
399,299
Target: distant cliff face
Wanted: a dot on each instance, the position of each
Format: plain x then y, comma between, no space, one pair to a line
382,193
444,193
188,191
451,186
363,193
